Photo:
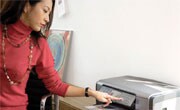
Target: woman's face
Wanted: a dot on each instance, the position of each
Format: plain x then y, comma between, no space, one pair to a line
37,16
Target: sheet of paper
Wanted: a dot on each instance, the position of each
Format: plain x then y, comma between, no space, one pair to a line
61,8
100,107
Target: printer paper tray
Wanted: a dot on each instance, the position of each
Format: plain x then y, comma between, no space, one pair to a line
100,107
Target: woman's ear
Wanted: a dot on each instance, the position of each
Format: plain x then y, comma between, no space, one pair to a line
27,7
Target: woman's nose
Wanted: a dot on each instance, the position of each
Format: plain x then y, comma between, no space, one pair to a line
47,19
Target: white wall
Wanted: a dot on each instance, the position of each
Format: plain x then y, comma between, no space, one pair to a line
122,37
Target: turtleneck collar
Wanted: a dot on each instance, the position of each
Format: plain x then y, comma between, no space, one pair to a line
19,30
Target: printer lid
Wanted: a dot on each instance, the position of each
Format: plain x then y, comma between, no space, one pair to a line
140,86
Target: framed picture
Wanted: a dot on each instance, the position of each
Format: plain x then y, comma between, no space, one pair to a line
59,41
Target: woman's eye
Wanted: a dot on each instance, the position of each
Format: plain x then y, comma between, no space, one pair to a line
45,11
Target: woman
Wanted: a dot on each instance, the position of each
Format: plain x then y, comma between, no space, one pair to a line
23,47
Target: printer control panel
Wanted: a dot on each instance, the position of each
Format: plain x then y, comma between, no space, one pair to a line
128,99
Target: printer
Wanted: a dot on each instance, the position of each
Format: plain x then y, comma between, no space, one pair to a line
140,93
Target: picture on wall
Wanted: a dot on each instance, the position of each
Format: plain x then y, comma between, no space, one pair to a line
59,41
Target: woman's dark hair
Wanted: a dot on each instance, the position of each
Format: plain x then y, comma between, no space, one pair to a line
11,11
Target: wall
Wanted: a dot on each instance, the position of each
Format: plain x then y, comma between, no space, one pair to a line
122,37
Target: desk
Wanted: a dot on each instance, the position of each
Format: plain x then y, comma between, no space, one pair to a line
75,103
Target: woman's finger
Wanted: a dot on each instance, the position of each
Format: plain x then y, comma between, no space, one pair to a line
115,98
107,103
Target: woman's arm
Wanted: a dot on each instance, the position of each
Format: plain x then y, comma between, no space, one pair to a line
74,91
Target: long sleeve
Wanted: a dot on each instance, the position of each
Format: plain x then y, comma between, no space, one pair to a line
46,71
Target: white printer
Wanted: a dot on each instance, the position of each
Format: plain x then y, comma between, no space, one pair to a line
140,93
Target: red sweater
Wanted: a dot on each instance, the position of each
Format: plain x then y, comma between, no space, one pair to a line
14,97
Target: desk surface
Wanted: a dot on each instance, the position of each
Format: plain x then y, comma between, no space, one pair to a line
75,103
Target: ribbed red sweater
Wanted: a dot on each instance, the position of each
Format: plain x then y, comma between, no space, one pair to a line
14,97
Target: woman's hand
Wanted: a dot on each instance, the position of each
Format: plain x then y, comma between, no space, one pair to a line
104,97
